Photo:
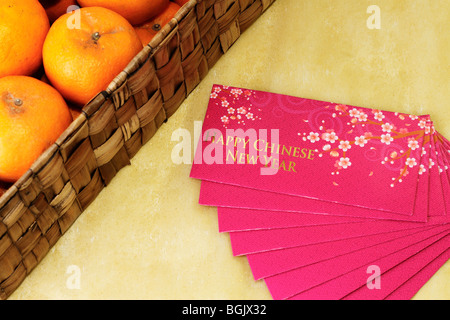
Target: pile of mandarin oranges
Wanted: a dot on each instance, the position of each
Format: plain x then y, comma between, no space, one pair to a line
55,56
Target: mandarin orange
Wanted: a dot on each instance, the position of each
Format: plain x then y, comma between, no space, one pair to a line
135,11
23,27
32,117
149,29
81,62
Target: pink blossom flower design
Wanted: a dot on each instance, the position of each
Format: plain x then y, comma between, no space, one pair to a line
230,98
354,113
242,110
413,117
361,141
431,163
422,169
345,145
422,124
249,115
313,137
411,162
379,116
236,92
345,163
383,131
387,127
330,137
386,139
362,117
225,119
413,144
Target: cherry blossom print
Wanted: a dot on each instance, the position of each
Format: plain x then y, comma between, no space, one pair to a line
411,162
431,163
362,117
344,163
413,117
313,137
242,110
422,169
379,116
330,136
404,172
376,129
337,166
236,92
232,99
361,141
413,144
387,127
386,139
345,146
225,119
326,147
422,124
249,116
354,113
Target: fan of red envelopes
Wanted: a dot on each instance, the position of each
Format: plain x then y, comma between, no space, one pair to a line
327,201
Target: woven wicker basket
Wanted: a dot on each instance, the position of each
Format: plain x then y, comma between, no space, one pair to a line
39,208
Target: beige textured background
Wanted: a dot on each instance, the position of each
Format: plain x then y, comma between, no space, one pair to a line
145,237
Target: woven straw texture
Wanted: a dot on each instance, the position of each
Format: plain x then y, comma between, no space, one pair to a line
39,208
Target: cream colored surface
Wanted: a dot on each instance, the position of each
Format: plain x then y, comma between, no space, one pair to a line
145,237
